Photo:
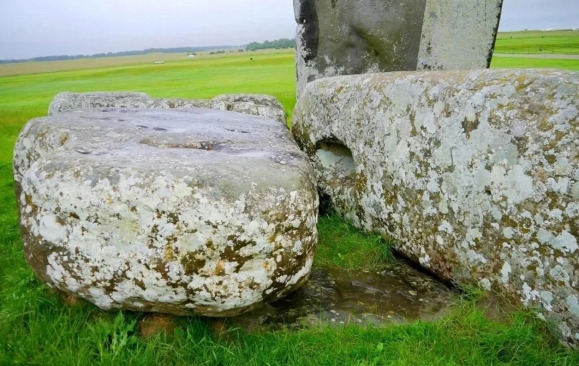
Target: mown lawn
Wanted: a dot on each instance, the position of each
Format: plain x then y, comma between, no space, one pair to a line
36,328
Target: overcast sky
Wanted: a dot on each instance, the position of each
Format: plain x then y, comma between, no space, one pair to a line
32,28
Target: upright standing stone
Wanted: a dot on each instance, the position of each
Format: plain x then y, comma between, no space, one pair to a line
338,37
458,34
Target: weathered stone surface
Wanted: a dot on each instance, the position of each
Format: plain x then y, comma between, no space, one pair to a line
177,211
67,101
254,104
474,174
338,37
458,34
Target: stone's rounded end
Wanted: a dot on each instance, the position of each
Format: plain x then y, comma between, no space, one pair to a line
174,211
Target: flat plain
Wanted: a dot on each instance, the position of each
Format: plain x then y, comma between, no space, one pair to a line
537,42
40,327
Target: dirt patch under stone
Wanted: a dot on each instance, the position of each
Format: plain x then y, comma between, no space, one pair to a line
397,293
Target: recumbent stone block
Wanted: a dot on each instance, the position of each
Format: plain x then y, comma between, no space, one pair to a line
192,211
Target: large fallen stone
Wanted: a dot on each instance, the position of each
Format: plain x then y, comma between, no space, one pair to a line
181,211
338,37
474,174
254,104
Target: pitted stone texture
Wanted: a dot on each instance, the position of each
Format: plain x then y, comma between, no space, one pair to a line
474,174
183,211
339,37
254,104
458,34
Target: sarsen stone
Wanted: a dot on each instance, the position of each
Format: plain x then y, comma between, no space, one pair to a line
177,211
475,174
254,104
339,37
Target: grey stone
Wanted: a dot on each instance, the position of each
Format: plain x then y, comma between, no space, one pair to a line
458,34
474,174
177,211
67,101
254,104
338,37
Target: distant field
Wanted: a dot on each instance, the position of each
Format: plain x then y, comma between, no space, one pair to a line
562,42
532,45
202,77
35,67
524,42
538,34
499,62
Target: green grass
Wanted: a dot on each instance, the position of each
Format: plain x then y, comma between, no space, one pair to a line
340,245
44,332
532,63
37,329
199,78
562,42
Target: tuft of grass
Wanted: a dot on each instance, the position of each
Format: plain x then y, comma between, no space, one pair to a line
341,245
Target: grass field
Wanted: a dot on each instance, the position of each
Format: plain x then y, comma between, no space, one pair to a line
37,329
533,63
34,67
562,42
537,44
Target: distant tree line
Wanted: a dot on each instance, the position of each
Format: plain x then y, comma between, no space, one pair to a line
186,50
279,43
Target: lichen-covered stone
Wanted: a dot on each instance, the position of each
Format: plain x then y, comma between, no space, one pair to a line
339,37
458,34
176,211
67,101
475,174
254,104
